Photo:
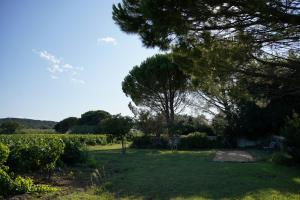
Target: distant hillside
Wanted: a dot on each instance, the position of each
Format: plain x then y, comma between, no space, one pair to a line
31,123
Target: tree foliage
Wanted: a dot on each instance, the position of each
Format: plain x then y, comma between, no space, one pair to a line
93,117
159,85
89,122
9,127
160,23
118,126
291,130
242,31
65,125
243,57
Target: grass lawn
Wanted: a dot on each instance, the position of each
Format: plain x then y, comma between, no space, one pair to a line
154,174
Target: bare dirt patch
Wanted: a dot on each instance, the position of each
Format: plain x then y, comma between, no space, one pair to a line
233,156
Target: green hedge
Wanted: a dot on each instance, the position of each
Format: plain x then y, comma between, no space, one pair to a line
150,142
195,140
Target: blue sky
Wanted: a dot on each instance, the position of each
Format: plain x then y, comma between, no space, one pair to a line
61,58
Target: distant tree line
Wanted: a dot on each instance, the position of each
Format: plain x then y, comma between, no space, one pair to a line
30,123
98,121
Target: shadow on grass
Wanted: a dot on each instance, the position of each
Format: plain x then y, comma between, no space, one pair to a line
154,174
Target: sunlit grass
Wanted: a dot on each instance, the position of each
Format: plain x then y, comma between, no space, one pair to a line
156,174
192,175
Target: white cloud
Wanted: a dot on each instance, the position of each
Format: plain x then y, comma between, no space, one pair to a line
58,68
108,40
49,57
78,81
68,66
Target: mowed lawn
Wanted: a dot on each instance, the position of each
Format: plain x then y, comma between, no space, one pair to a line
153,174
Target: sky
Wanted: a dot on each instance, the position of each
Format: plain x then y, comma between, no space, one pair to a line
61,58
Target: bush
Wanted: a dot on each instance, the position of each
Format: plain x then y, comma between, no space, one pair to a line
74,152
19,185
281,159
150,142
88,139
196,140
143,142
291,132
6,183
4,152
40,154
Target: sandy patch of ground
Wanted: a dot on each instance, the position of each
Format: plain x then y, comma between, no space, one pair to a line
233,156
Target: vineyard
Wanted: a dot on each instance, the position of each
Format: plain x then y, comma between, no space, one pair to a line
32,153
32,138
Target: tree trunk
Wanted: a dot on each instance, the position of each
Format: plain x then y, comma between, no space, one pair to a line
123,146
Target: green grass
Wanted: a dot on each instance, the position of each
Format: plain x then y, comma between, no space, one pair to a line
154,174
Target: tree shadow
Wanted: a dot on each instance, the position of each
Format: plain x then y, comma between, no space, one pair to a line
155,174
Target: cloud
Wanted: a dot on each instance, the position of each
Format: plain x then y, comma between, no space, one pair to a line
108,40
78,81
58,68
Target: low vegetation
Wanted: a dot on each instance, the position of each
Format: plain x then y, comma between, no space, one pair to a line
163,174
10,184
194,140
40,153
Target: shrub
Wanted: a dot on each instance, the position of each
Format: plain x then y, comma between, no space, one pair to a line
149,142
88,139
4,152
6,183
19,185
196,140
281,159
142,142
74,152
40,154
291,131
